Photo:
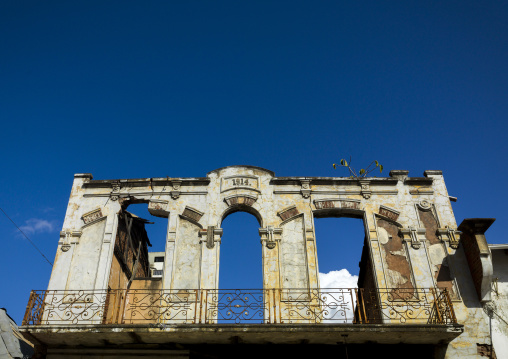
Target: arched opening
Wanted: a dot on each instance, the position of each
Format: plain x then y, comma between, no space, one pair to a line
240,252
240,270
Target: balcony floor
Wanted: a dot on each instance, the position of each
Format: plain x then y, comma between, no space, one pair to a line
191,334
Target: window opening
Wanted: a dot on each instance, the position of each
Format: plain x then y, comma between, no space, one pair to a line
240,253
240,270
156,230
339,243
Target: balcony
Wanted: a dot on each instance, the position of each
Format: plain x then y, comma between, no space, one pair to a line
266,315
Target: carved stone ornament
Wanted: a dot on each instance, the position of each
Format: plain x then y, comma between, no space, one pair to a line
305,188
244,199
175,192
270,236
337,203
211,235
67,238
115,191
365,189
192,213
452,236
288,213
92,216
389,213
176,185
412,235
425,205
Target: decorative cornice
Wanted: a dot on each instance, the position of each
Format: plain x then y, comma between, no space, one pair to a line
288,212
146,182
327,203
401,175
388,212
192,213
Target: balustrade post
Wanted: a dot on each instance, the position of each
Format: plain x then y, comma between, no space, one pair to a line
28,308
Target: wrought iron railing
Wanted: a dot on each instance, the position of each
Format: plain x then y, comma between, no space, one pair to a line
211,306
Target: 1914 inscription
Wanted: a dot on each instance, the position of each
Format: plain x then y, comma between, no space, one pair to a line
241,182
234,182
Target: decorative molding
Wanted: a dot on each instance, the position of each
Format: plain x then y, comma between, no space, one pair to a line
245,199
192,213
115,190
270,236
92,216
365,189
288,212
421,191
210,235
388,212
309,234
400,175
175,192
142,194
413,235
337,203
424,205
158,207
68,237
305,188
452,236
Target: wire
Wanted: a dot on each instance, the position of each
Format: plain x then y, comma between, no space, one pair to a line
32,243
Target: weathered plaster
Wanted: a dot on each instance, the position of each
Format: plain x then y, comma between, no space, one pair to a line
411,234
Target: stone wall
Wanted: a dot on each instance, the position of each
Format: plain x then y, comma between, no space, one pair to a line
411,236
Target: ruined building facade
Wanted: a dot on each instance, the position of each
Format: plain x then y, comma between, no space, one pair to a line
423,283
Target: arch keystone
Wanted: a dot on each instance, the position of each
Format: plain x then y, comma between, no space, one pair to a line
245,199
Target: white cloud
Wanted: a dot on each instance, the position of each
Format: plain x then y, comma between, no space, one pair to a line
338,301
338,279
36,225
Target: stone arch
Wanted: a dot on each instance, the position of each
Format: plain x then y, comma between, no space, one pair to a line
240,208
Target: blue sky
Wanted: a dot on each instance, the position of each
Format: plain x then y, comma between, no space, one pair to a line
127,89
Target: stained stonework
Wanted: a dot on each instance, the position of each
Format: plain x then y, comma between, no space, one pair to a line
398,270
411,239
